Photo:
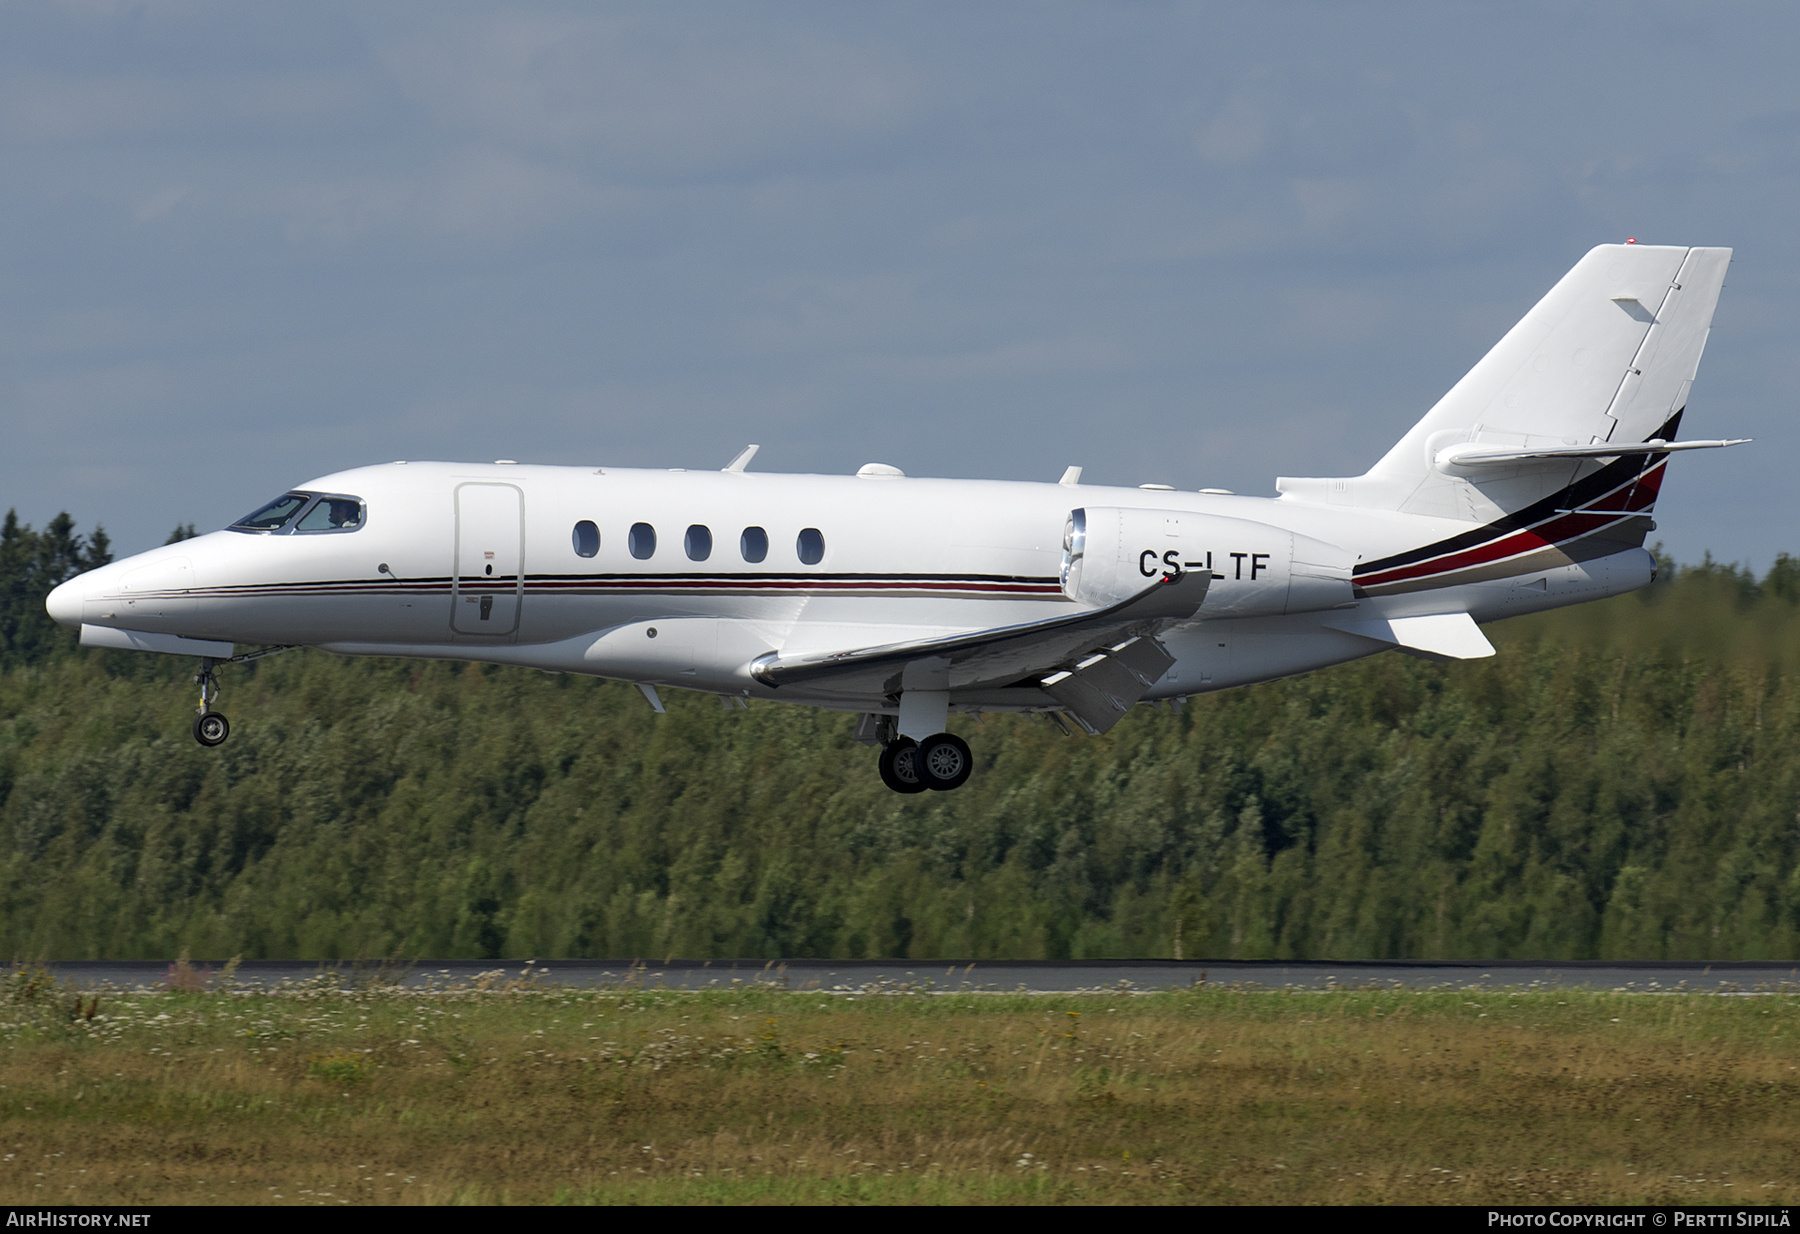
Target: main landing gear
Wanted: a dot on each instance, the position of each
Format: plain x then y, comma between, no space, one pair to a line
942,762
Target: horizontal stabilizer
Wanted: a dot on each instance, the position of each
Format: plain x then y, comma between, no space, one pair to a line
1438,636
1472,454
138,640
998,656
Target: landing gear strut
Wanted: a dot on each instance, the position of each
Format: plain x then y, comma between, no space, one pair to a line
942,762
211,728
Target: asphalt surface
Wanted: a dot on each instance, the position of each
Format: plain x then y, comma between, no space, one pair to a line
947,976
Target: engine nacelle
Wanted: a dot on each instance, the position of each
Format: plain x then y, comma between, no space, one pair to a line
1112,552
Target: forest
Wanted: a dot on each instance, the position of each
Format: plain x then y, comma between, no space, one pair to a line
1621,781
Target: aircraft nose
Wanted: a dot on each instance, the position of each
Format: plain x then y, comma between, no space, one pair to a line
64,602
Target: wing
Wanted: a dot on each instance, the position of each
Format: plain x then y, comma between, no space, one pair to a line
1006,655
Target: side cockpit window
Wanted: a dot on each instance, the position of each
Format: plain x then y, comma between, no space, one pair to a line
307,513
332,514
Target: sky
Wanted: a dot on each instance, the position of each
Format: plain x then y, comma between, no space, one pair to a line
1195,244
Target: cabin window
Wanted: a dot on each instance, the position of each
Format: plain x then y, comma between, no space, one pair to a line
272,516
643,541
332,514
698,543
754,544
587,539
811,546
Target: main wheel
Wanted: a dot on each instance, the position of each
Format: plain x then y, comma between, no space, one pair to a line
899,767
211,729
944,762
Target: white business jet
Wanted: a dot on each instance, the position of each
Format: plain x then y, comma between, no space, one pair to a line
1528,486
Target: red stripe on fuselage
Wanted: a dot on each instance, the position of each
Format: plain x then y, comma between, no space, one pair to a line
1640,495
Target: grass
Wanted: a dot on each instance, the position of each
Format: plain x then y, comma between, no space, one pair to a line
509,1090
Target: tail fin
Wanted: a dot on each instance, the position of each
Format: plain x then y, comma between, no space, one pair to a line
1606,358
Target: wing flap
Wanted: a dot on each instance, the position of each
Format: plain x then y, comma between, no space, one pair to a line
1099,691
997,656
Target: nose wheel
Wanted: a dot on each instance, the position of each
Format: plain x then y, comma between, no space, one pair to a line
211,729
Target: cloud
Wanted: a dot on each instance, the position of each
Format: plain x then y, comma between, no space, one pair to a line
296,237
639,95
477,193
1237,132
86,106
1028,357
1324,317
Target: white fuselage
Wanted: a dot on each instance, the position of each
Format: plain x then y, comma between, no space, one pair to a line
484,563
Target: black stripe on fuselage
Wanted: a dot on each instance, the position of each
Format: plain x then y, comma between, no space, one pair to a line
1620,471
987,583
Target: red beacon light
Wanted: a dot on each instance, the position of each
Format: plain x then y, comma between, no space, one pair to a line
1631,239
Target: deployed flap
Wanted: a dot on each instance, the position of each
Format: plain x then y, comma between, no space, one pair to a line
1102,688
999,656
1439,636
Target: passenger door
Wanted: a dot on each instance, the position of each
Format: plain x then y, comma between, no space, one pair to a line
489,580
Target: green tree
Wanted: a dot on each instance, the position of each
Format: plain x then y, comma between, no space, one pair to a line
32,563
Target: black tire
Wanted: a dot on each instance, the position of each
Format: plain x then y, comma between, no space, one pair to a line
211,729
899,767
944,762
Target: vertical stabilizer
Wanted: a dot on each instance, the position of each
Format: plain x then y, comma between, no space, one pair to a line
1605,358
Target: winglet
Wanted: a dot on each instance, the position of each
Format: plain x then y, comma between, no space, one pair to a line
737,465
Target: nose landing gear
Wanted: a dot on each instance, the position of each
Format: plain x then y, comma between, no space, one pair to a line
211,728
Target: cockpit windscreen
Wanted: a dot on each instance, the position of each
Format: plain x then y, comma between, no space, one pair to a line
272,516
305,514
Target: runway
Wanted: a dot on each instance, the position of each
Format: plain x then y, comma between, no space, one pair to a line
989,976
